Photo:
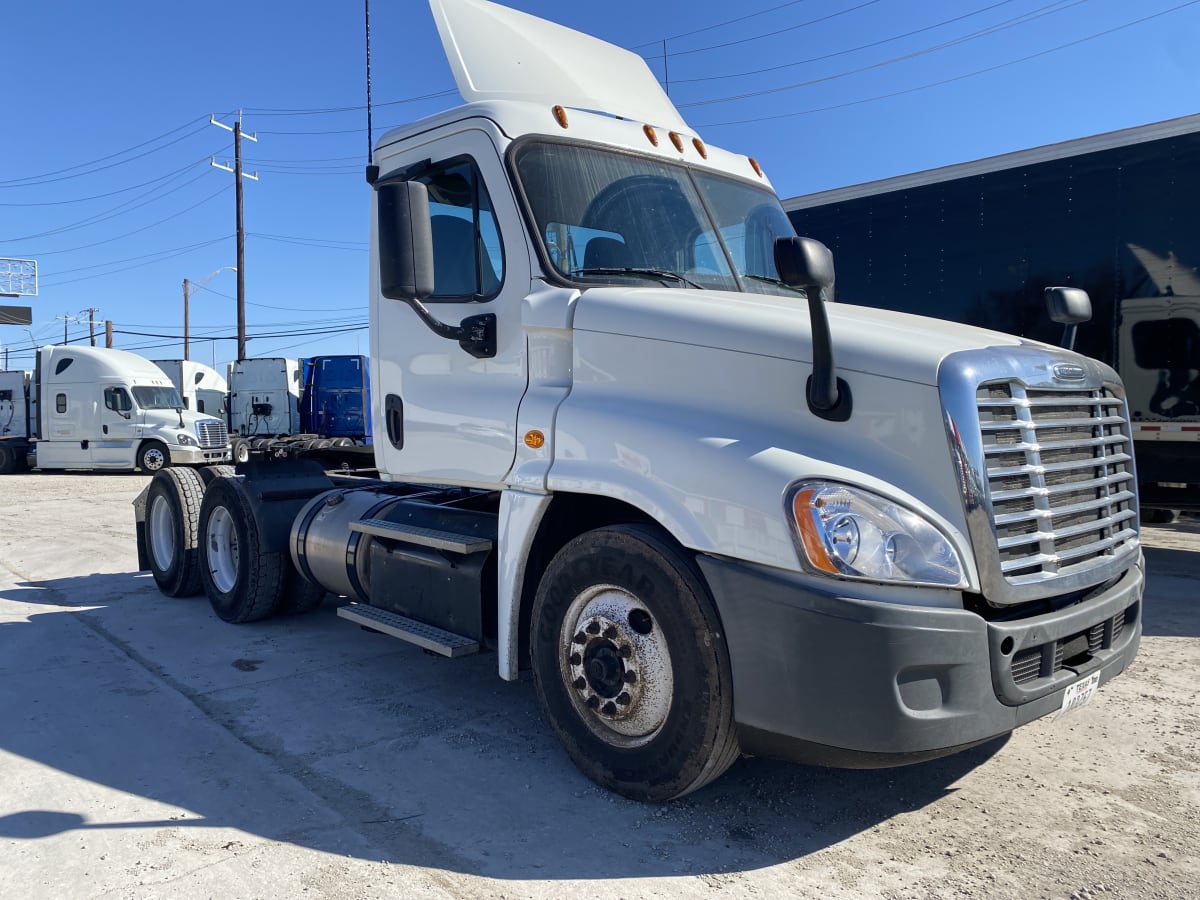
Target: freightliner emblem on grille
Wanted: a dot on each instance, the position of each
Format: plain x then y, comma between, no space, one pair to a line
1069,372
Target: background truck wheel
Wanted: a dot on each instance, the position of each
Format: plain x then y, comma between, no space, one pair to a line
630,665
240,450
172,531
153,456
8,460
242,583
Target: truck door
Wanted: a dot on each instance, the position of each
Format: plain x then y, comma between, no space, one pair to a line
115,444
449,415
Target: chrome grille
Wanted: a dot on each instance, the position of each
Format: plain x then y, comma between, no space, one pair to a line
212,434
1059,473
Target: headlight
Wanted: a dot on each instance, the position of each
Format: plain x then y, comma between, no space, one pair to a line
188,441
854,533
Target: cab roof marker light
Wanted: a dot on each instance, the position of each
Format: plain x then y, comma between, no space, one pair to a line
651,135
560,116
700,148
756,167
676,139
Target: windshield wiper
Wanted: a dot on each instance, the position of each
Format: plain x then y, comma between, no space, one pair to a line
769,280
637,270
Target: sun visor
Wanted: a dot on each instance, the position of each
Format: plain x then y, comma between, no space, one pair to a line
497,53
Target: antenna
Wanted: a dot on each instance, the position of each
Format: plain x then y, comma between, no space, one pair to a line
372,170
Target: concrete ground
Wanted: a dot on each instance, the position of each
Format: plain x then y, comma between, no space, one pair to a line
149,750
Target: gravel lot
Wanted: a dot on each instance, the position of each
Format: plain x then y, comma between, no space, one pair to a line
149,750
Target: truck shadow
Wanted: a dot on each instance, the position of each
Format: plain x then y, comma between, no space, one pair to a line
312,732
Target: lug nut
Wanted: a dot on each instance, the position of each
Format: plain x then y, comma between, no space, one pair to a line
593,701
625,650
630,677
624,699
610,709
580,638
574,659
610,632
593,628
580,683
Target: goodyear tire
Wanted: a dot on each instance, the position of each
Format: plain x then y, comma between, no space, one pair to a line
242,583
153,457
172,531
630,665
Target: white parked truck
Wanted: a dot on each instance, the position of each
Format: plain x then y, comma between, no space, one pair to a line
203,388
623,440
89,408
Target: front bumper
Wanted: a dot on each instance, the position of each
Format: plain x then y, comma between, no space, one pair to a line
821,676
199,456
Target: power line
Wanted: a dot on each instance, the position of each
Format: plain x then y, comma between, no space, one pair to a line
962,77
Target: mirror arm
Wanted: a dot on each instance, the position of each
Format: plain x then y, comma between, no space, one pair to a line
475,334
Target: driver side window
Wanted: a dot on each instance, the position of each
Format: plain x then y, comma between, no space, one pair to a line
468,260
117,400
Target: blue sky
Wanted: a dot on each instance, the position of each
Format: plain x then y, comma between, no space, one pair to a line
105,176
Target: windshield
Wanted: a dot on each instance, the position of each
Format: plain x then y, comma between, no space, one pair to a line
157,397
608,217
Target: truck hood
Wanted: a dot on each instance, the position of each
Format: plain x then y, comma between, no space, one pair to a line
169,418
867,340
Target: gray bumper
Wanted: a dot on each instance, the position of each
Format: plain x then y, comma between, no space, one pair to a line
196,456
823,677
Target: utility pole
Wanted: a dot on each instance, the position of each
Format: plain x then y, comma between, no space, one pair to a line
188,286
67,319
108,334
91,311
185,319
238,175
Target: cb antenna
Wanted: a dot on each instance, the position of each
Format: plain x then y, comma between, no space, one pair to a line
372,170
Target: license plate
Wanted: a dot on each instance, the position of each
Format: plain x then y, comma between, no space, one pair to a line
1079,693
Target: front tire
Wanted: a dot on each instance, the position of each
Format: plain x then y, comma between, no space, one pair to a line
172,531
152,457
630,664
242,583
240,450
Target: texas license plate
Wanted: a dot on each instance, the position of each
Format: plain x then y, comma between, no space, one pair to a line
1079,693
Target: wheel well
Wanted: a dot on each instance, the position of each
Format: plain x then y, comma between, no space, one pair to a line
569,516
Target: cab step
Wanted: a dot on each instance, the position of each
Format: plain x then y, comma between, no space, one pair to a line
436,640
435,539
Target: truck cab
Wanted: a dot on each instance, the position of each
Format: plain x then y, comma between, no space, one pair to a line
110,409
623,440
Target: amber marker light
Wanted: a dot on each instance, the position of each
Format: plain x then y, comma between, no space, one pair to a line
756,167
651,135
560,116
803,511
700,148
534,439
676,140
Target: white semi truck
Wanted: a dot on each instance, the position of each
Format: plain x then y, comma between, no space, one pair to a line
622,440
202,388
88,408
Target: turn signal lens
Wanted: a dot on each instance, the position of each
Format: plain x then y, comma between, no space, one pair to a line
534,439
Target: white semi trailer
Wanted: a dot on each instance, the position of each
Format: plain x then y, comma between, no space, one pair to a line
622,439
88,408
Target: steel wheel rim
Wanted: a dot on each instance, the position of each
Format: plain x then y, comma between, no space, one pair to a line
153,459
616,666
162,533
222,549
